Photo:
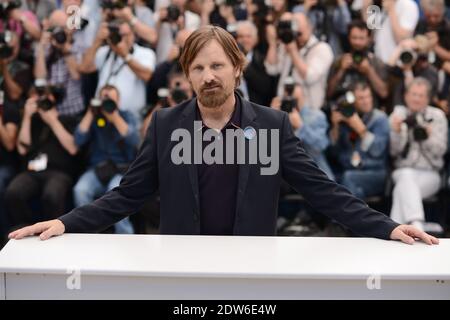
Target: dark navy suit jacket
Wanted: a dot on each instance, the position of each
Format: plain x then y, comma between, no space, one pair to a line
257,195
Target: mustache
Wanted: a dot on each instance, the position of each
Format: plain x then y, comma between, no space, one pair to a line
210,85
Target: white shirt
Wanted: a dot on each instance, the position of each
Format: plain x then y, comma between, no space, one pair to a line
131,87
407,13
318,56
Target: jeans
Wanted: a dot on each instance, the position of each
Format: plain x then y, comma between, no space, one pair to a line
364,183
6,174
88,188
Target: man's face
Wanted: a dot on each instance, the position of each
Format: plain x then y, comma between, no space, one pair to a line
359,39
111,94
212,75
417,98
363,100
246,38
434,17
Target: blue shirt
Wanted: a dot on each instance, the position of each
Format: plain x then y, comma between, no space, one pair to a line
313,132
373,149
107,143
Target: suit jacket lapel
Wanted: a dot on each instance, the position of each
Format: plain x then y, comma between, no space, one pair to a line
248,119
187,122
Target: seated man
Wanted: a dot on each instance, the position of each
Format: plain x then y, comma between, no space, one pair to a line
46,142
360,137
114,139
418,144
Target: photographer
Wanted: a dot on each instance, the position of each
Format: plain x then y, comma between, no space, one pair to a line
46,143
113,139
358,65
58,62
301,55
122,63
15,75
437,29
178,90
170,20
360,138
410,60
139,17
310,125
418,142
329,18
398,21
9,128
256,84
224,13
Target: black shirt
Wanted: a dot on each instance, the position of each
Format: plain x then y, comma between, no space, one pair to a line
218,185
10,114
44,141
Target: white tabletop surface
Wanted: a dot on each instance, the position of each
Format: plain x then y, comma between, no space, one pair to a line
236,257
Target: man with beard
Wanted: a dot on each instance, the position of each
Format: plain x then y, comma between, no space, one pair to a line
216,198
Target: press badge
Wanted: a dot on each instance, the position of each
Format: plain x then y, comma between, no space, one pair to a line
39,163
356,159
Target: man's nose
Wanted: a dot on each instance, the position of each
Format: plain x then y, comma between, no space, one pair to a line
208,75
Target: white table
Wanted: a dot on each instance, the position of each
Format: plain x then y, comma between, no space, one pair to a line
201,267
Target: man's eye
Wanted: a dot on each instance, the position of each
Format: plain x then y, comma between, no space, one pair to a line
216,65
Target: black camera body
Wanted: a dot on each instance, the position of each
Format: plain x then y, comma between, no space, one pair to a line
287,31
7,7
45,101
358,56
173,13
346,104
419,132
111,4
288,103
177,94
108,105
6,50
114,33
58,34
163,95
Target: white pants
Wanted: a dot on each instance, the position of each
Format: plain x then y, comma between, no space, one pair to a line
411,186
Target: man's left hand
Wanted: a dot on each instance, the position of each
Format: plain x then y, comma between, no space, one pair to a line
408,234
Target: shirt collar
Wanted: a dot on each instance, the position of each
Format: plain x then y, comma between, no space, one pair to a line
235,120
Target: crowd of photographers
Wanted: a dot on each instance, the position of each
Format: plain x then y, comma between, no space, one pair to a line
80,80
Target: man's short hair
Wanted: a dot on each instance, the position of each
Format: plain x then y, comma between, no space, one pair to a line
201,37
358,24
433,5
361,85
419,81
109,87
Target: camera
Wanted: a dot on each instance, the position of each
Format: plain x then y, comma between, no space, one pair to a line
106,104
6,50
173,13
48,95
407,56
414,124
346,104
7,7
177,94
358,56
58,34
114,33
163,95
113,4
287,31
289,102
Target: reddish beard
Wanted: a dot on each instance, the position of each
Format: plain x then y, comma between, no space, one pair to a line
213,98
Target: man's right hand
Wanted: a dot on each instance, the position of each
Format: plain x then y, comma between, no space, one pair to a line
346,61
45,230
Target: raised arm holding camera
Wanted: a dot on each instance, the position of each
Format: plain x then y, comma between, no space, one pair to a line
358,65
121,62
47,145
418,142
